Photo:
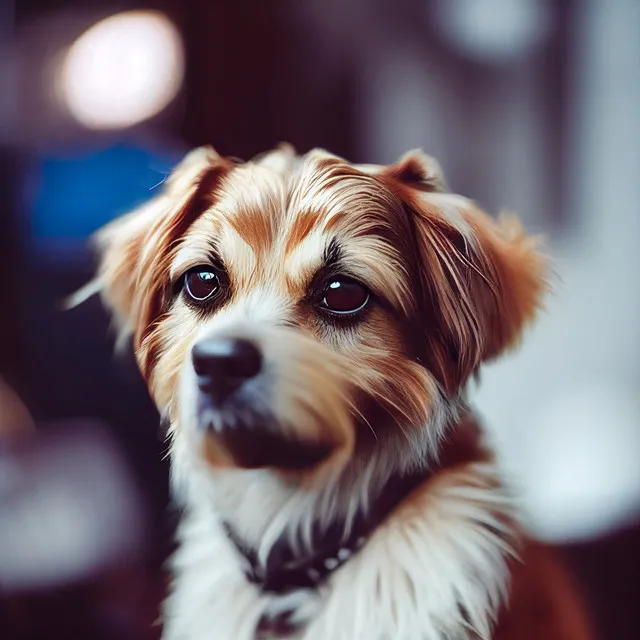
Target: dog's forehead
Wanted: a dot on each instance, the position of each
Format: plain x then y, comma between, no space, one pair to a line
279,222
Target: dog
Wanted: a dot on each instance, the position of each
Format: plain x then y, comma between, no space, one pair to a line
307,328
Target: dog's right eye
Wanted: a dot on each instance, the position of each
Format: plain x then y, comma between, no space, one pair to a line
201,283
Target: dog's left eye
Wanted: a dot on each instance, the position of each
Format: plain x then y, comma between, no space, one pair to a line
201,283
344,296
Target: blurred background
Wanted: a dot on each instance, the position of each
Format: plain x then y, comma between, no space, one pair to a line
530,105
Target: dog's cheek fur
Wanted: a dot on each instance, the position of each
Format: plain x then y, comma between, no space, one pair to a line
393,397
164,352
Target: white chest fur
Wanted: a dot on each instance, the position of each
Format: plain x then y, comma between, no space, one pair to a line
436,569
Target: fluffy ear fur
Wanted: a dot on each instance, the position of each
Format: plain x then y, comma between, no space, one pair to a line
418,170
483,279
132,248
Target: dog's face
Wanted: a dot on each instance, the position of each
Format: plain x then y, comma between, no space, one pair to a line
299,313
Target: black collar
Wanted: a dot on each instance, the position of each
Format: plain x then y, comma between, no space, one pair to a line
286,570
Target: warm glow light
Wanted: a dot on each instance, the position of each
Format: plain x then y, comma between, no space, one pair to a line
123,70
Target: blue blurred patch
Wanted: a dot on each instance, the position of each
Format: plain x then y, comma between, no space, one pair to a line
71,194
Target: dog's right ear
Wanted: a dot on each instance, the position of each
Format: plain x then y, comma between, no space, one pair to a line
482,279
130,246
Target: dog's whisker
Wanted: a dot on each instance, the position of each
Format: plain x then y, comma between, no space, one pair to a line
364,419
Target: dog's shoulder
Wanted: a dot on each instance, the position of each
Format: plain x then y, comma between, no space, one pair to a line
544,601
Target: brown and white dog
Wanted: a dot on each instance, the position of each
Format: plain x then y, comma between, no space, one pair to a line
307,328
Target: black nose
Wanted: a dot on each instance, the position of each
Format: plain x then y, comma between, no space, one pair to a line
224,364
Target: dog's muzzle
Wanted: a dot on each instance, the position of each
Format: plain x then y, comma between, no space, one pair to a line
225,368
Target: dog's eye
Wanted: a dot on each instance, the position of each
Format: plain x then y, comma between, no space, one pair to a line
344,296
201,283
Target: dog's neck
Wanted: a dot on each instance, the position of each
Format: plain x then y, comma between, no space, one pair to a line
262,507
318,532
295,564
462,512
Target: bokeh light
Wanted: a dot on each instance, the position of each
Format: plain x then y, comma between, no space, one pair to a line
493,30
123,70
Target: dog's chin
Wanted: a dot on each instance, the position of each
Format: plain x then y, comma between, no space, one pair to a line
238,435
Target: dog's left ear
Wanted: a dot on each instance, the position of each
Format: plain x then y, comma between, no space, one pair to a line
482,279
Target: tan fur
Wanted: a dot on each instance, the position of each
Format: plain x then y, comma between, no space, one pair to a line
451,289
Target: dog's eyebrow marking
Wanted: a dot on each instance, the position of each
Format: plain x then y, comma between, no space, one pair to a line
332,253
252,205
300,229
238,253
304,266
305,259
200,249
334,220
254,227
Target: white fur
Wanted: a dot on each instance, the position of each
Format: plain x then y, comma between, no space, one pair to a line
443,551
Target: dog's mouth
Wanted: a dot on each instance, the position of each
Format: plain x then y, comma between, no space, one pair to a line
251,439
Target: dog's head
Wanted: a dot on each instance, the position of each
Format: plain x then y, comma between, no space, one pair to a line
299,313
